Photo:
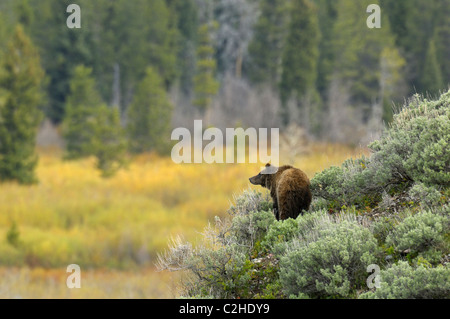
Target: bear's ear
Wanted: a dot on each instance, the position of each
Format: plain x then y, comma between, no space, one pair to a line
269,170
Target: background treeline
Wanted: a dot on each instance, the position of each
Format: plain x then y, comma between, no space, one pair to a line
137,68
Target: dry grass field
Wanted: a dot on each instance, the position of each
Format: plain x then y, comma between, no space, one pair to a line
113,228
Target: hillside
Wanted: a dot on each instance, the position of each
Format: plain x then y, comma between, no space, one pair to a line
378,226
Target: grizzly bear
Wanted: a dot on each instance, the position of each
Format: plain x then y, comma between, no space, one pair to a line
289,189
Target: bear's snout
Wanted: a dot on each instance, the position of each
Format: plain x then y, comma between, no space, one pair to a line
255,180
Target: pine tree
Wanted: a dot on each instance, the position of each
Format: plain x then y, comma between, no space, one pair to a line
301,51
300,56
91,128
441,39
81,110
186,16
13,235
149,116
20,96
413,22
358,54
268,41
432,80
205,85
62,50
24,12
327,18
109,145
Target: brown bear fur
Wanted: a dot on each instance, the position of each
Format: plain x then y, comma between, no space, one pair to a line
289,189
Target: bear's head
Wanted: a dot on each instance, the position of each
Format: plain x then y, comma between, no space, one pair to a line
264,176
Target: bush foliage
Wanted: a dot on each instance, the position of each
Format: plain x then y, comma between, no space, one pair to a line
406,282
419,232
329,261
413,150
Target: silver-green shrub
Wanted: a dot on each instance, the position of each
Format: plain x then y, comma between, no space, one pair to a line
328,261
250,228
419,232
282,232
427,196
414,149
401,281
383,227
279,233
345,185
221,266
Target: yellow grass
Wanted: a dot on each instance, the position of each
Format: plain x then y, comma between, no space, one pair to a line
42,283
75,216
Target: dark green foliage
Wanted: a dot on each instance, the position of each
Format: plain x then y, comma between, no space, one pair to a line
310,51
205,84
13,235
414,23
366,61
62,50
119,39
142,33
91,128
25,14
20,96
442,41
432,80
109,145
327,14
301,52
128,35
399,13
265,49
185,12
81,107
149,116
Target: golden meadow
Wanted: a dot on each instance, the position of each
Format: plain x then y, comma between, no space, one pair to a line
113,228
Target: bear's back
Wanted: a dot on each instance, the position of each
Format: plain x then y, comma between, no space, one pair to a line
292,191
291,178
